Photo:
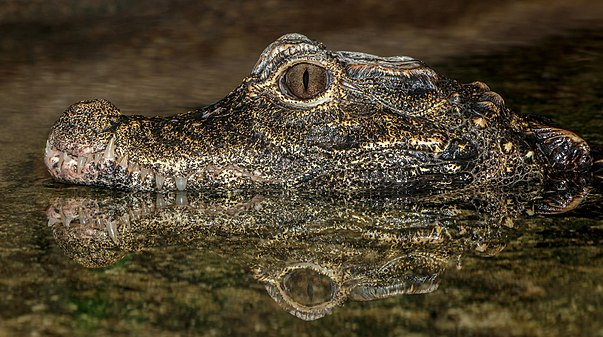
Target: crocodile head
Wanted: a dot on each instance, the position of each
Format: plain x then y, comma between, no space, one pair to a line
310,118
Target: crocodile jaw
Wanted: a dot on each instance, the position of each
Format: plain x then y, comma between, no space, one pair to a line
109,168
94,144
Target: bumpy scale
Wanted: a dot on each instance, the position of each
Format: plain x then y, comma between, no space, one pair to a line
312,119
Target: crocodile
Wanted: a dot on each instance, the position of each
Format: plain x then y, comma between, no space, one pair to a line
312,119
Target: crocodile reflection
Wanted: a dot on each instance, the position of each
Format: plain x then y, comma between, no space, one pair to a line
311,254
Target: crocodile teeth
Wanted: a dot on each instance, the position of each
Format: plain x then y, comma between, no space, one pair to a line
60,164
146,173
143,174
49,152
110,150
52,221
67,158
67,220
81,161
160,201
181,199
83,219
124,219
112,231
123,162
132,167
159,180
180,183
97,157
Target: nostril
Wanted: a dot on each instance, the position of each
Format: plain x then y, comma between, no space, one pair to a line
85,127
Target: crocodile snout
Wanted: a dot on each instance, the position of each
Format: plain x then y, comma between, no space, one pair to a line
83,135
85,127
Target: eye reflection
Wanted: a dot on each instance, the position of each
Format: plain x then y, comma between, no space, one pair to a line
304,81
308,287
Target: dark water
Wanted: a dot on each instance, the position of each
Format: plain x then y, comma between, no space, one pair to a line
83,262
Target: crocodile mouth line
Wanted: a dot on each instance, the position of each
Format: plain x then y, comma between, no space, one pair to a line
108,165
89,167
89,220
89,216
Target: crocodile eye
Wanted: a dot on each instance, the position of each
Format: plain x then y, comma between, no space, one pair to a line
304,81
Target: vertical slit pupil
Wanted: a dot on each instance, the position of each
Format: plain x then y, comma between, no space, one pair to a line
306,79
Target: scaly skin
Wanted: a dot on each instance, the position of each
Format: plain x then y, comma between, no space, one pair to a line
352,122
312,254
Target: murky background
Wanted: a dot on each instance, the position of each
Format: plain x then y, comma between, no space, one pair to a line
157,57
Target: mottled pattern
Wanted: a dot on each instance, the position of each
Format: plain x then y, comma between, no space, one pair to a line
381,124
312,255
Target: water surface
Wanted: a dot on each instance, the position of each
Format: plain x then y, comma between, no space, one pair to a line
79,261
